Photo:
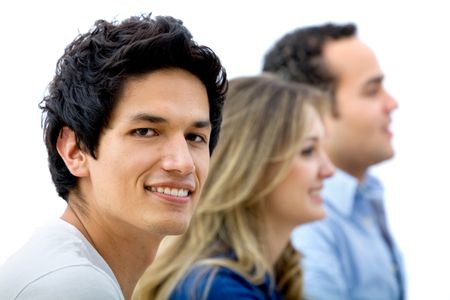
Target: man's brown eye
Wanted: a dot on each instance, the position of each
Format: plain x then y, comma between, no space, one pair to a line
145,132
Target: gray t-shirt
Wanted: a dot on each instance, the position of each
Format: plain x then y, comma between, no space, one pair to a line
58,262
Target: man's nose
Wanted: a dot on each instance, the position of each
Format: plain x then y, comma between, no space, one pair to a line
390,103
177,156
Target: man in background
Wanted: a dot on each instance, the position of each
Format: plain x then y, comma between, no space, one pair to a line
351,253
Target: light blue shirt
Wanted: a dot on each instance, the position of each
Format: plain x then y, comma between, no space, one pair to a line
345,256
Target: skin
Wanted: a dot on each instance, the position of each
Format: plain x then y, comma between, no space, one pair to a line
360,136
297,200
152,162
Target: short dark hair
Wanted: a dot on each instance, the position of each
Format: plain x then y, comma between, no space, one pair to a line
297,56
92,72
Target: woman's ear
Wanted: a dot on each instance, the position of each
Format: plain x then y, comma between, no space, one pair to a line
74,158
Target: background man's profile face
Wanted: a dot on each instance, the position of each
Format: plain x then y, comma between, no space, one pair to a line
153,157
360,135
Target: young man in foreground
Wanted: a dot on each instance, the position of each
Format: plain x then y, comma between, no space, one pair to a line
130,120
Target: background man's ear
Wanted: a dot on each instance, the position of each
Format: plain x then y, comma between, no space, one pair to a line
74,158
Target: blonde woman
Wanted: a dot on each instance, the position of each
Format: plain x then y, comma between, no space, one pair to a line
265,178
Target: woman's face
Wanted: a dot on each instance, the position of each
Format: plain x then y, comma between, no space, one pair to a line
297,200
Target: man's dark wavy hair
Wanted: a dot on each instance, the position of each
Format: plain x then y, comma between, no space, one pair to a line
91,74
297,56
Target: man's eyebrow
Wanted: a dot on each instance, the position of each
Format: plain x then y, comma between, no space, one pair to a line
202,124
159,120
148,118
375,80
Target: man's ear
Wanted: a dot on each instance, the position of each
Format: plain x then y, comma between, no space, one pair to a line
74,158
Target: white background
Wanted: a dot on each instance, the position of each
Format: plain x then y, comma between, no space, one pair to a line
410,38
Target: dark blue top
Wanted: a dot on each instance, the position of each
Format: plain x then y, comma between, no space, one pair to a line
223,284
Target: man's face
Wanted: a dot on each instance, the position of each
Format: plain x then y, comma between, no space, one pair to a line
360,136
153,157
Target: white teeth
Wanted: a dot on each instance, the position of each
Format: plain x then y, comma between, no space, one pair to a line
170,191
182,193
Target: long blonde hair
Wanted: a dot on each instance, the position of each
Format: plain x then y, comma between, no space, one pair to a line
264,120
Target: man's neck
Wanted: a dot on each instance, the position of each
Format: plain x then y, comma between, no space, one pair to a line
359,175
354,170
127,255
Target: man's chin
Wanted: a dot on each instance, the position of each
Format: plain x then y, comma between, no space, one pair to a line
177,228
386,155
390,153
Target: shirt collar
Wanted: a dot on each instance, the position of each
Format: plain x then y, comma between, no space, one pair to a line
342,189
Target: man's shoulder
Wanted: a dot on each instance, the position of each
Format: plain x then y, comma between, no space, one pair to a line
47,250
78,281
26,277
52,258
